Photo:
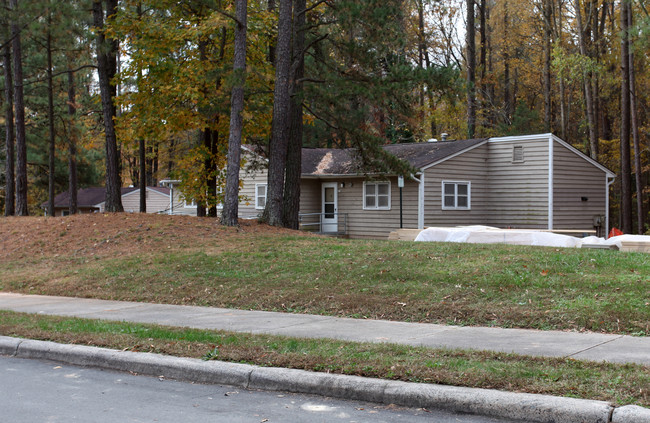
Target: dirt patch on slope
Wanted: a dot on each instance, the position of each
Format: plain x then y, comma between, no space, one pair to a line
117,234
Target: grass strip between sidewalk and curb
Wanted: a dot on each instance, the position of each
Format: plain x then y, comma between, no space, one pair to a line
616,383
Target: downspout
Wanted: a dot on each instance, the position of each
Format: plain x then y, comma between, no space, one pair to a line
420,199
171,199
550,182
608,183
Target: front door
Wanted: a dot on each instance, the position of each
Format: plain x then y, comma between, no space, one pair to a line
329,201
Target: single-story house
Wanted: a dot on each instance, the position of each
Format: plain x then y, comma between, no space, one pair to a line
92,200
527,182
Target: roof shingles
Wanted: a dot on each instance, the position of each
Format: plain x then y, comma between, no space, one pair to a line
332,161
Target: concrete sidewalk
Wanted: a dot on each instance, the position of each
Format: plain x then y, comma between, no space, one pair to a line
583,346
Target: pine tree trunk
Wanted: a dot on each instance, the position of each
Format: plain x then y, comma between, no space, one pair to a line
291,201
635,136
10,140
106,69
212,180
231,205
142,156
280,126
19,107
507,97
546,5
50,121
471,70
72,146
587,86
626,181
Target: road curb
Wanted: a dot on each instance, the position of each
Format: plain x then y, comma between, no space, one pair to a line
518,406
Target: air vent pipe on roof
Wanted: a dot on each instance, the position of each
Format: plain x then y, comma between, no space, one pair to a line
444,136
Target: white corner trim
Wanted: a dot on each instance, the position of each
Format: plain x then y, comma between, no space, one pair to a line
420,199
550,182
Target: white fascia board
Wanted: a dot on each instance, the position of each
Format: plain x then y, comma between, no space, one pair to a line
137,190
511,138
343,175
583,156
423,168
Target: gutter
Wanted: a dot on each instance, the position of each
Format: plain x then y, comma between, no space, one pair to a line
608,183
420,199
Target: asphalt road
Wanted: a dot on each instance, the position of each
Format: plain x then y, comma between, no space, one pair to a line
40,391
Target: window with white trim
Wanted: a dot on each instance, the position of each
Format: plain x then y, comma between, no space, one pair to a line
189,203
376,195
260,196
456,195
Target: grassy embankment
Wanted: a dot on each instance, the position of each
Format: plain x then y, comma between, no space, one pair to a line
193,261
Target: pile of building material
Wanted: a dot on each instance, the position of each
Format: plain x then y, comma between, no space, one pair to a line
489,235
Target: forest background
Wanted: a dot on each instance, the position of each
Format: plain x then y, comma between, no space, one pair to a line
129,92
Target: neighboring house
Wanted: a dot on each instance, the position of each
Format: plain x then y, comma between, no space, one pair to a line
92,200
533,182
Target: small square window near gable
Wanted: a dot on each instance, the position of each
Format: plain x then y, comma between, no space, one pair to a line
518,154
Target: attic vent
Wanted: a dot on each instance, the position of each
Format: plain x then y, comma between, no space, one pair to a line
518,154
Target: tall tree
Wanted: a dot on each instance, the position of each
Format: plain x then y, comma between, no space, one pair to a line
279,129
291,199
231,206
626,181
547,16
10,137
106,68
635,134
587,82
72,145
50,113
19,106
471,69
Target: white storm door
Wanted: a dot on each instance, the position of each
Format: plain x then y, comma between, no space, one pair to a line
329,201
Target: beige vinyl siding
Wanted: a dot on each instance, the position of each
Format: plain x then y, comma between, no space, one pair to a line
467,167
378,224
156,201
310,196
371,224
518,192
574,178
247,208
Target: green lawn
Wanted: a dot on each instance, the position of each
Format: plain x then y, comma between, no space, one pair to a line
464,284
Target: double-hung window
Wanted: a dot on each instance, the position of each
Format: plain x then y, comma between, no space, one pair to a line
376,196
260,196
456,195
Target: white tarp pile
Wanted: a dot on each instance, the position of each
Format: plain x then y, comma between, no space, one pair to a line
489,235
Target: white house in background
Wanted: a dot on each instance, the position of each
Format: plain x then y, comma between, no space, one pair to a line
92,200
